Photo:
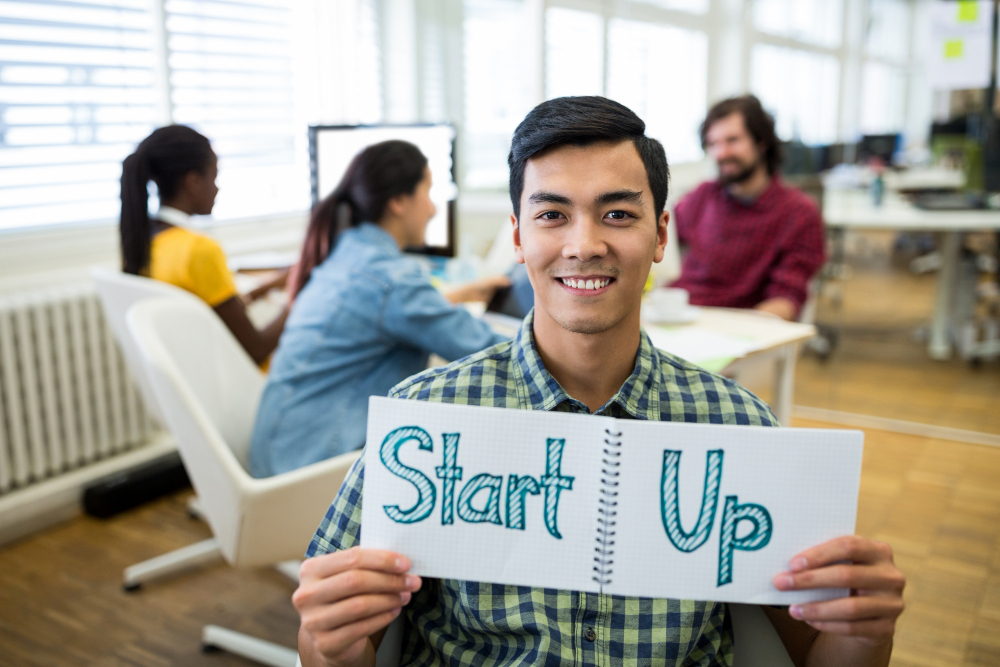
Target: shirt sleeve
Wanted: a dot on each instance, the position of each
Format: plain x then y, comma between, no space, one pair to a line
803,255
210,277
341,527
417,314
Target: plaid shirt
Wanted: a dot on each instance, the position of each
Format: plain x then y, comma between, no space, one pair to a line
472,623
741,253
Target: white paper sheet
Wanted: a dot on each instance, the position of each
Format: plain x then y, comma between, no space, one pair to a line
604,507
698,345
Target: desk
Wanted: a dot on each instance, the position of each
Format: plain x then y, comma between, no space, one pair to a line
768,340
848,209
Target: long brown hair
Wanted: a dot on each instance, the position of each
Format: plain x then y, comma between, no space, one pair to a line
375,176
165,157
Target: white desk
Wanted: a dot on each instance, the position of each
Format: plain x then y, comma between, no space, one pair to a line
854,210
761,339
769,340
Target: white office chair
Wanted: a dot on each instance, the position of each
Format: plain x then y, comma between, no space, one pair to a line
755,641
208,389
118,292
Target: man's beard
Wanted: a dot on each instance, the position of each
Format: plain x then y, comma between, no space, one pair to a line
740,176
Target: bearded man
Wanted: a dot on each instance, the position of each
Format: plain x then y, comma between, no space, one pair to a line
752,241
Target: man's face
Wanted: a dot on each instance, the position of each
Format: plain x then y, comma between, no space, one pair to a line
588,234
733,149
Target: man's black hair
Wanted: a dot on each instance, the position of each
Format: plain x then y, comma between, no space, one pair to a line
580,121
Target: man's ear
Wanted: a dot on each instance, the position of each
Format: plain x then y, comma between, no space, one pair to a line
518,253
661,236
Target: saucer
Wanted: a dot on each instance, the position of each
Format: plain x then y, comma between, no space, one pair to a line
685,316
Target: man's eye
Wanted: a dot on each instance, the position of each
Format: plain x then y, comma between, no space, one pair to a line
550,215
618,215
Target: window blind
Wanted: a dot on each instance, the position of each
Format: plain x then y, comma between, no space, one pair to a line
77,92
231,79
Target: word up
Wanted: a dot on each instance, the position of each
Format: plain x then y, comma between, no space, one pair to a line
551,484
732,514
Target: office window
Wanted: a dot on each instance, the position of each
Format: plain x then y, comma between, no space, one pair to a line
693,6
231,79
888,35
76,92
574,53
497,87
816,22
661,73
883,99
800,89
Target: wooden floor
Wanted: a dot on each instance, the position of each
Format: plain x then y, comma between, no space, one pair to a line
61,601
936,501
880,365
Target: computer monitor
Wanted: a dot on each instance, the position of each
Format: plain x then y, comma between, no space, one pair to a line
332,147
882,146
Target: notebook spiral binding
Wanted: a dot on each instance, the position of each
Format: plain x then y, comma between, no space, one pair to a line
604,552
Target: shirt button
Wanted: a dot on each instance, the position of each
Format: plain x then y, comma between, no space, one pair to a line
590,635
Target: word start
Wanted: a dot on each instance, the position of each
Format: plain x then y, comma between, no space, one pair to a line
552,483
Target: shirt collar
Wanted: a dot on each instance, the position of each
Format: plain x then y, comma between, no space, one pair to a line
759,200
173,216
369,232
639,395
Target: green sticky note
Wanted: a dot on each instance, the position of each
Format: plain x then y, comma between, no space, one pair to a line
953,49
968,11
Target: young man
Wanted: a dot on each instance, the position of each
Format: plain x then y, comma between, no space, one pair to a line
752,241
588,190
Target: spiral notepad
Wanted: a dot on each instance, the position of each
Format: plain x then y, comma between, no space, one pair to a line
579,502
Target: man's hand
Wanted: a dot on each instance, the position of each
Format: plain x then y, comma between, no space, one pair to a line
345,597
868,616
478,290
780,306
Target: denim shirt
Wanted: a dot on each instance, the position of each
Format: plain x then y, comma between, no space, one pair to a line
367,319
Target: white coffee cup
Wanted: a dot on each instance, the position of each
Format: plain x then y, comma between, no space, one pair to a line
667,302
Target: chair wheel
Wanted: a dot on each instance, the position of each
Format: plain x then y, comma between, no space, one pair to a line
210,648
131,588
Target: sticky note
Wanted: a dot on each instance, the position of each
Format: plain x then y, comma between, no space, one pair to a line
968,11
953,49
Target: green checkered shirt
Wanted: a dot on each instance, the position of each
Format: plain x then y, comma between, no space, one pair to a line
472,623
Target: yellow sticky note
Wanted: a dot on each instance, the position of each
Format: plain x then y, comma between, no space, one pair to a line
968,11
953,49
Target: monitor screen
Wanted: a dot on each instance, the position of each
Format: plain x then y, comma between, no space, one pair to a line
882,146
331,149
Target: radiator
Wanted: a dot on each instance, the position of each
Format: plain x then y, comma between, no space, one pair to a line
67,400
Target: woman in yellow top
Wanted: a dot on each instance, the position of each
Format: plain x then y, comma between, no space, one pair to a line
183,165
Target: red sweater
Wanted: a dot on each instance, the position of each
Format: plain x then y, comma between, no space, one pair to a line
741,253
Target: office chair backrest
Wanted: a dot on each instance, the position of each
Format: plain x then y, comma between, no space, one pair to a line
118,291
208,389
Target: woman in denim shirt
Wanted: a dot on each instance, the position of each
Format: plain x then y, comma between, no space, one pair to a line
365,316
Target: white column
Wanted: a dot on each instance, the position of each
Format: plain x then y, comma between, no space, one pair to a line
728,66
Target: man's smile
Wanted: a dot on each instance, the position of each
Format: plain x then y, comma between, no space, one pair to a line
587,285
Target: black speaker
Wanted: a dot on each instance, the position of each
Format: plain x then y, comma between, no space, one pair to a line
130,488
